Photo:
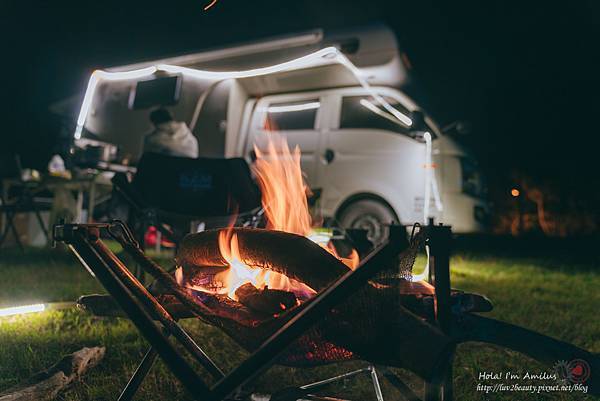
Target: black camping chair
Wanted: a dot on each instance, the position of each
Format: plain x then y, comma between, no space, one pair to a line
174,193
25,201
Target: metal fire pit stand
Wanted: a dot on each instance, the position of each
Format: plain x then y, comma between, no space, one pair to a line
156,324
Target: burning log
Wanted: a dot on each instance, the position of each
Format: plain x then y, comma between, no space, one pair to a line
47,384
266,301
289,254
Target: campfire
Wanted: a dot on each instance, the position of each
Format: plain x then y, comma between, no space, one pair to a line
259,277
293,301
284,199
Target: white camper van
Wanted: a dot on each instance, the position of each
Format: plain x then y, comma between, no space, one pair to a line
369,150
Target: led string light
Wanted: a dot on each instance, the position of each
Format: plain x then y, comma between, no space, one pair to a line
430,180
20,310
371,107
328,55
430,186
363,82
93,83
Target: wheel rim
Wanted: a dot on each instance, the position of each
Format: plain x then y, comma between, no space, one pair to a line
374,227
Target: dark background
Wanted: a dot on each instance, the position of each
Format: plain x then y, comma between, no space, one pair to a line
524,73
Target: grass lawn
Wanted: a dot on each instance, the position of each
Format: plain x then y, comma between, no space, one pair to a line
554,297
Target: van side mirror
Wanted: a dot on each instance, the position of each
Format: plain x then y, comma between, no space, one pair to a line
418,121
252,155
458,128
418,126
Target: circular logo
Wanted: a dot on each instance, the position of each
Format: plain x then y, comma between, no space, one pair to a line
578,371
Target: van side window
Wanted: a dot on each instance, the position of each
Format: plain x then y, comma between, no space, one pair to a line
366,113
292,115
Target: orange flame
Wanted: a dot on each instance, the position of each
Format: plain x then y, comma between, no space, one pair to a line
283,189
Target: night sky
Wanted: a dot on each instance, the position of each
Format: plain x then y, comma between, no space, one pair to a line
525,74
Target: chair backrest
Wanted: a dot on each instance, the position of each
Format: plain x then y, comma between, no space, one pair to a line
197,187
10,166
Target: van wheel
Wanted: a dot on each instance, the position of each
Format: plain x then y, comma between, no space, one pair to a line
370,215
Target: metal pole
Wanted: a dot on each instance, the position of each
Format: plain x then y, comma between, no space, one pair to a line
334,379
79,206
440,239
395,381
91,201
140,374
376,384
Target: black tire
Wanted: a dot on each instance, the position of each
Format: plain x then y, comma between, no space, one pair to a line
371,215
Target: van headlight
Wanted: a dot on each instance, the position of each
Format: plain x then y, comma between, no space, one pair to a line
473,182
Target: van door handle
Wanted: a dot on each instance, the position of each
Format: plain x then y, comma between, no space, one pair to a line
252,155
329,156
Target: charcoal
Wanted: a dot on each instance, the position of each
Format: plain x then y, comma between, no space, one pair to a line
266,300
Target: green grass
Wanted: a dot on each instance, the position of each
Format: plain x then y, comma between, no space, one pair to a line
553,297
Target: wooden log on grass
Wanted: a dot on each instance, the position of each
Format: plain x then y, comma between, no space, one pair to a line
48,384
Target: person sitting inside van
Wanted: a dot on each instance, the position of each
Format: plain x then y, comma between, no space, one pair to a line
170,137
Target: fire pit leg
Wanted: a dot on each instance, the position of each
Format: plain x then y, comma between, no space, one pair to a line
376,384
372,371
344,376
395,381
368,370
139,375
439,388
440,238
